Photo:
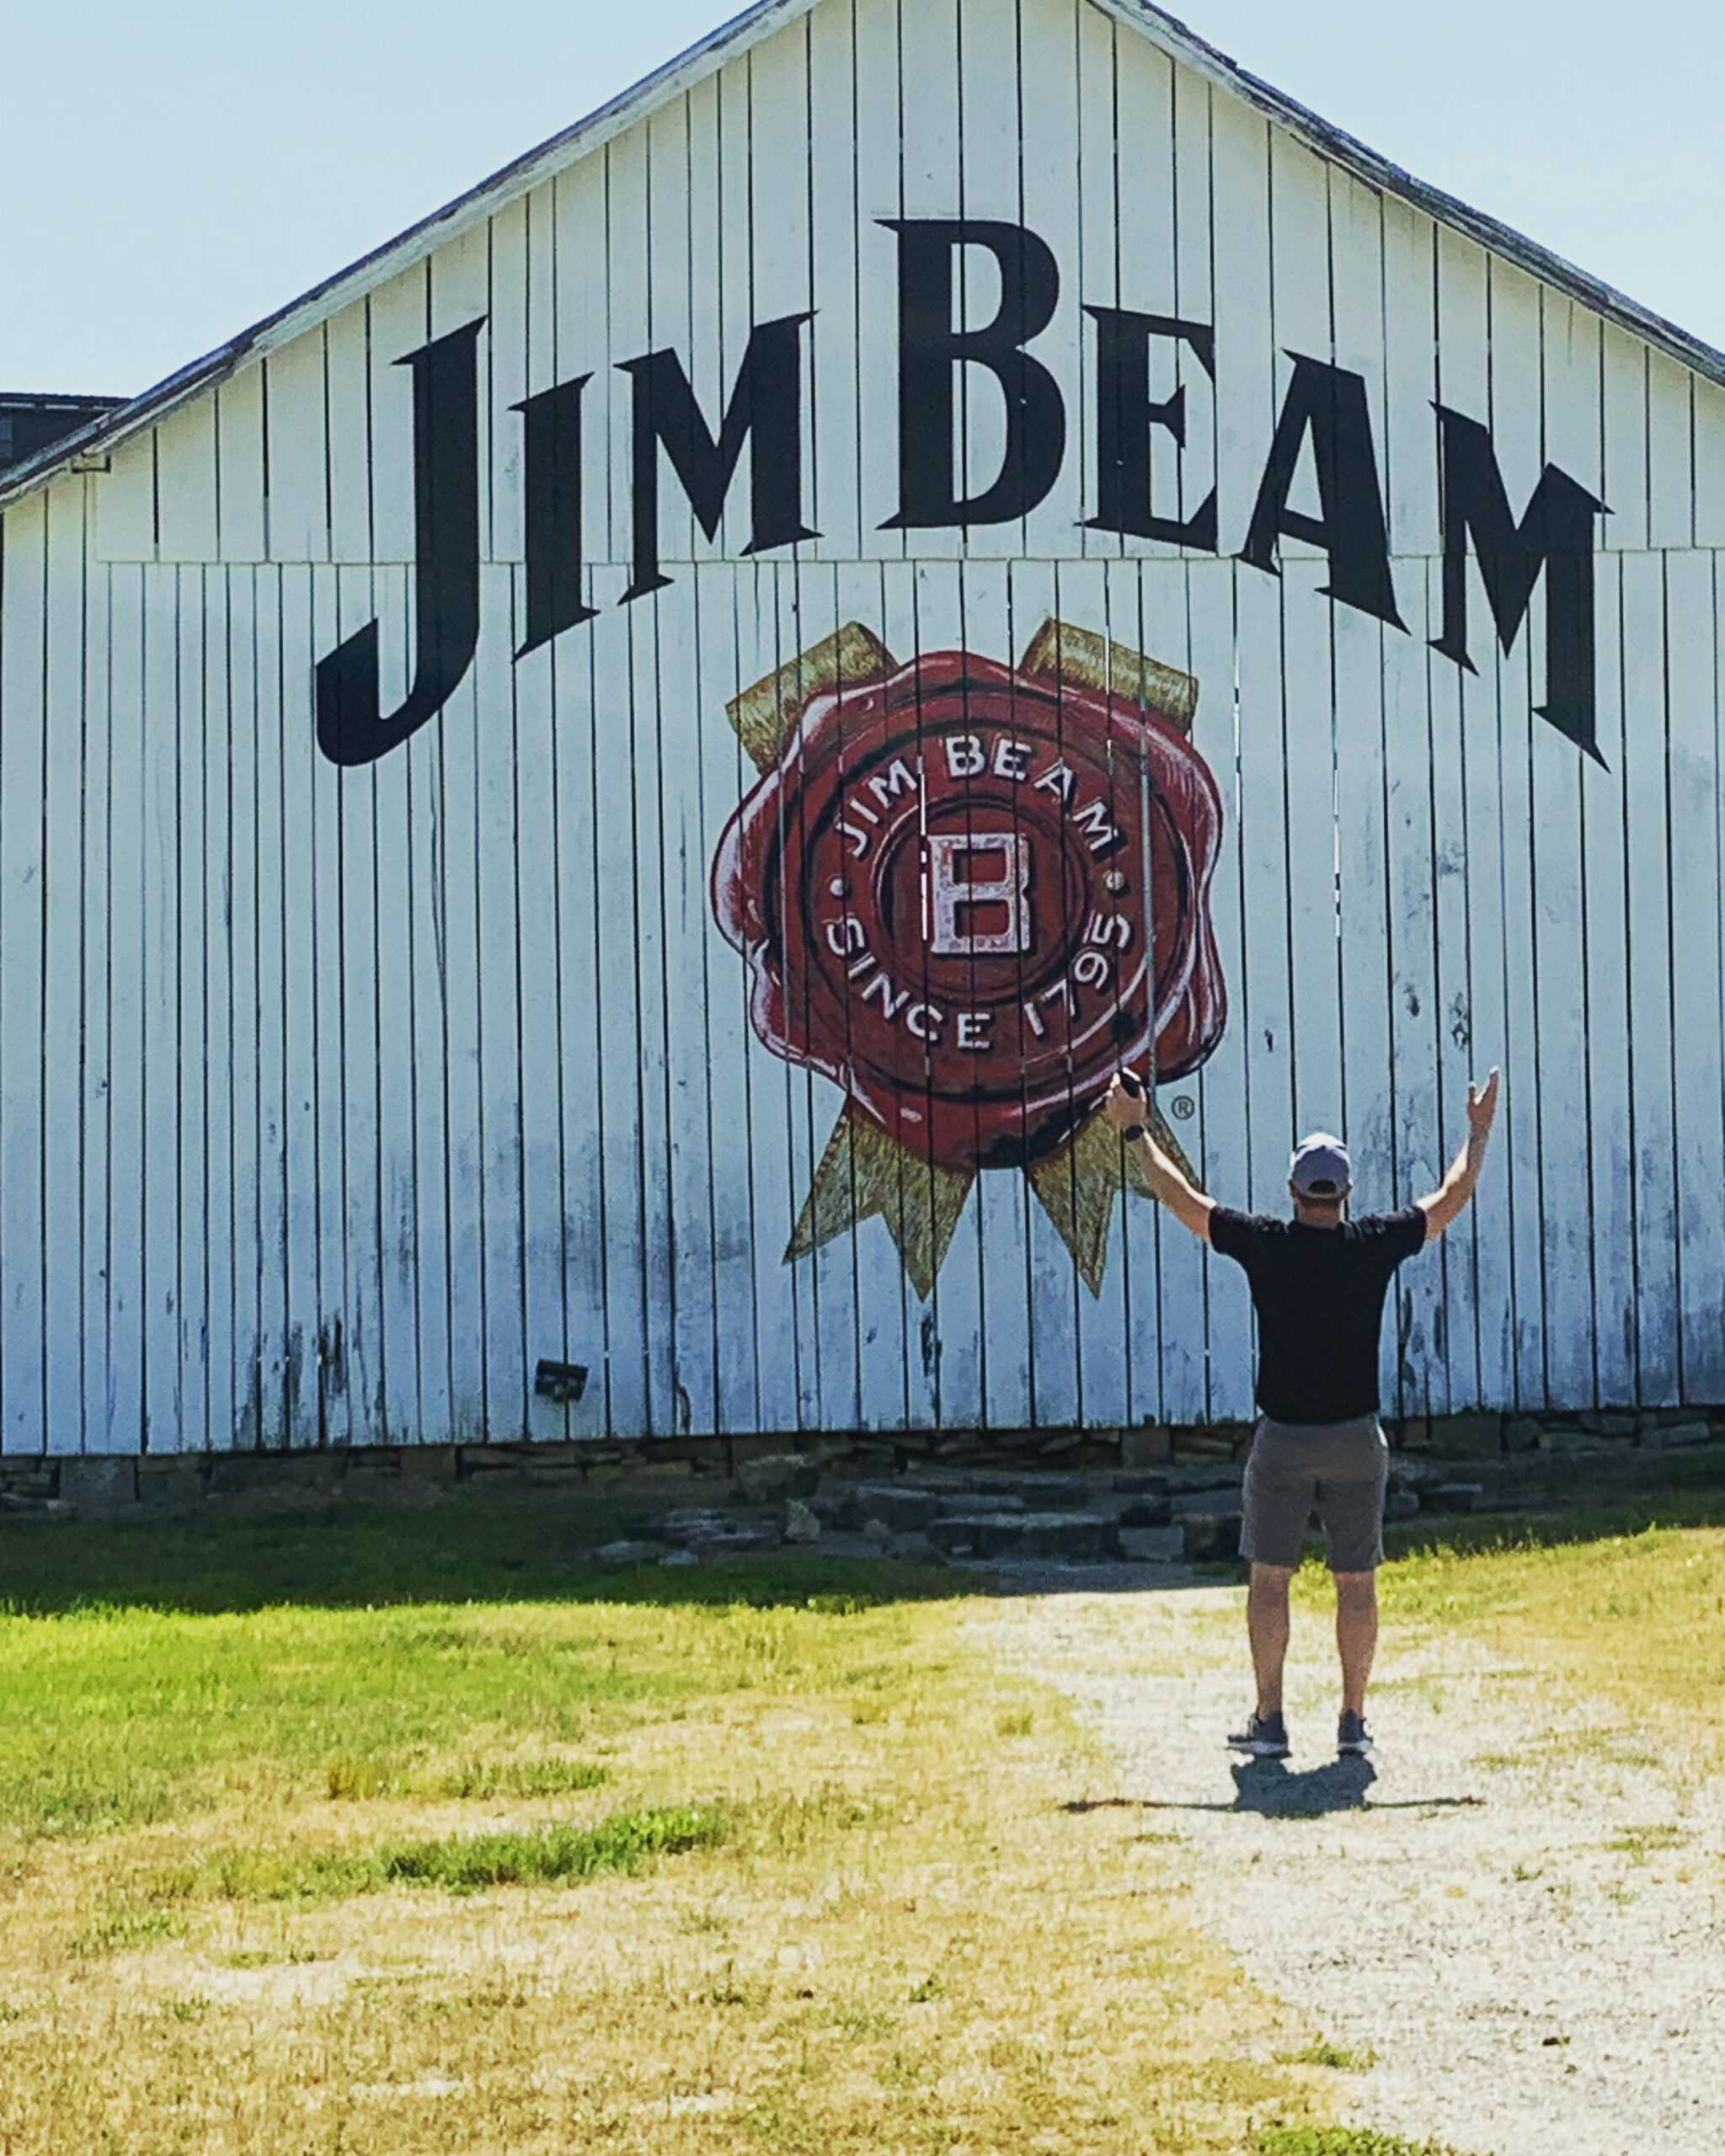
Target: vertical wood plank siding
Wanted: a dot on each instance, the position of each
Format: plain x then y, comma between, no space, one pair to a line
333,1101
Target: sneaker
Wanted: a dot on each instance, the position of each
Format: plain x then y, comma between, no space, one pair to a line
1352,1735
1265,1736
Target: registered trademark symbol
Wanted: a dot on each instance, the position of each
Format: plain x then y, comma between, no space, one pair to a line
1185,1106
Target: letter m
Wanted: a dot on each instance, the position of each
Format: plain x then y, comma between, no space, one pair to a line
897,780
765,408
1556,534
1093,820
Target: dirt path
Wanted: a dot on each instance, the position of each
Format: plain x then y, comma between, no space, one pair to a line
1518,1912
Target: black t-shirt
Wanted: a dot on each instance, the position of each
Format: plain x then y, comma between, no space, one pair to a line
1319,1296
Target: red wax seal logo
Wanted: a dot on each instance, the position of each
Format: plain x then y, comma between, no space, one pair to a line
968,892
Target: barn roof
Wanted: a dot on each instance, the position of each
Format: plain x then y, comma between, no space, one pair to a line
725,43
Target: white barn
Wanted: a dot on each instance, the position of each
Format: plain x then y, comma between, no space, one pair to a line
606,789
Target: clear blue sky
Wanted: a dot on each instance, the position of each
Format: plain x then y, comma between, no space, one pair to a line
169,174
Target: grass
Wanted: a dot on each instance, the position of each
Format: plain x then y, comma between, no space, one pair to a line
347,1834
144,1684
1635,1616
1340,2140
458,1864
401,1834
1324,2053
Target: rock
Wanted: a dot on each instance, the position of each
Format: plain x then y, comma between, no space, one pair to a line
1607,1426
1141,1482
913,1546
1401,1504
1211,1440
1062,1534
613,1554
1210,1536
1213,1475
898,1506
1146,1512
777,1475
1452,1498
949,1479
680,1557
727,1536
1677,1433
1466,1437
1051,1494
98,1486
440,1464
1521,1433
1415,1471
799,1525
688,1523
1217,1498
1153,1544
989,1498
1563,1438
875,1530
1138,1448
236,1474
1022,1534
173,1484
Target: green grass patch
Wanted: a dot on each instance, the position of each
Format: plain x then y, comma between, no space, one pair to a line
1323,2053
123,1928
458,1864
151,1671
487,1778
369,1557
552,1856
1637,1842
358,1780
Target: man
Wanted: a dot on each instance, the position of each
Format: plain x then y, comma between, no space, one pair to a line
1318,1283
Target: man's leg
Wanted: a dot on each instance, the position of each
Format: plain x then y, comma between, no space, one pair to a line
1356,1634
1351,1504
1267,1628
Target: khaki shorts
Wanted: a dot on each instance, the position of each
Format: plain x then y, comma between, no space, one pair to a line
1336,1470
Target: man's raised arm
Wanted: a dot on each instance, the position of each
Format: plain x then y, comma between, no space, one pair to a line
1448,1201
1127,1111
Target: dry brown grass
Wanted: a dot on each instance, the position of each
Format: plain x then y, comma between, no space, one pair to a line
907,1944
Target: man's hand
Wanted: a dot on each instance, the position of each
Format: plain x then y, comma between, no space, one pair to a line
1481,1108
1448,1201
1122,1107
1127,1106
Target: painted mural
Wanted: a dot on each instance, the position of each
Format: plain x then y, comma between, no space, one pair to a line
968,892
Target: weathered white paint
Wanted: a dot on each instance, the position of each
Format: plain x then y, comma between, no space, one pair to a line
330,1101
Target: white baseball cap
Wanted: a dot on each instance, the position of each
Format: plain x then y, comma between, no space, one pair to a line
1321,1167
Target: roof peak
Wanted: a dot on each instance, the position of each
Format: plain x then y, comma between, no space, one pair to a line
731,39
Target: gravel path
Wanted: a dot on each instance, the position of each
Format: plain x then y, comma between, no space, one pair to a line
1517,1911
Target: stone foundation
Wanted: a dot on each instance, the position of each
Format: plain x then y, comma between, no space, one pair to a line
1192,1456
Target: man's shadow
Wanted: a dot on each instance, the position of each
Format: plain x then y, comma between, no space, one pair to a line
1278,1791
